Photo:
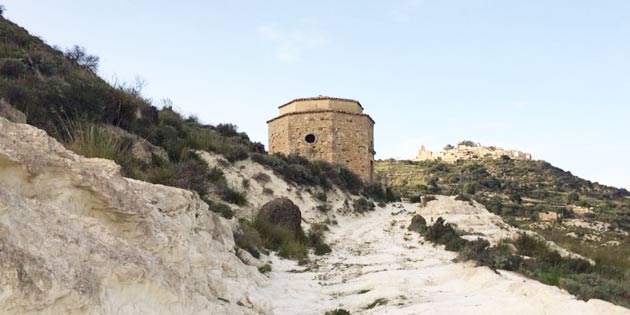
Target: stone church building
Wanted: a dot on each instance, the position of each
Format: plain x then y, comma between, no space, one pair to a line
325,128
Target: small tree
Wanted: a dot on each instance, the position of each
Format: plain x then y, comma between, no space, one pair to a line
78,55
468,143
573,197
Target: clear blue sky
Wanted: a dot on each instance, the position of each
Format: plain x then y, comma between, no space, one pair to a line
550,77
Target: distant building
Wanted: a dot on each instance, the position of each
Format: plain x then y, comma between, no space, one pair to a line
325,128
468,152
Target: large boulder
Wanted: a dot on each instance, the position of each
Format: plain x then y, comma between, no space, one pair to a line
282,212
418,224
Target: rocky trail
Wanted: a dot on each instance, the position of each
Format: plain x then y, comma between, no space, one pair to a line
378,267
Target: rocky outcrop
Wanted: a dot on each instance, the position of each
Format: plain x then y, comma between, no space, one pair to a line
78,238
11,113
282,212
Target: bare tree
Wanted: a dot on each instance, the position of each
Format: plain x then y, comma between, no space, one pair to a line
78,55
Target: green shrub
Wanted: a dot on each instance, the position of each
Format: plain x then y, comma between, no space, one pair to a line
321,196
464,198
377,302
299,170
415,199
380,193
363,205
230,195
93,141
266,268
248,238
262,178
443,233
293,250
281,239
338,312
12,68
316,239
222,209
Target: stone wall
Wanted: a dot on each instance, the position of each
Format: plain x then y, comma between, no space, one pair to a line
336,136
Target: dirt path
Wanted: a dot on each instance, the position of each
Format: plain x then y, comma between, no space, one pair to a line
378,267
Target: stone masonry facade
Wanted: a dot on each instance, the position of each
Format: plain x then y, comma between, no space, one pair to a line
325,128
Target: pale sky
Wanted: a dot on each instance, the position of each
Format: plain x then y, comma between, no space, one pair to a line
549,77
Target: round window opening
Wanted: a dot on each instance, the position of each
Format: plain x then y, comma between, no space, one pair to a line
310,138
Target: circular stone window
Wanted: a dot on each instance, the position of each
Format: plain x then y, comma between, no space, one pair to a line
310,138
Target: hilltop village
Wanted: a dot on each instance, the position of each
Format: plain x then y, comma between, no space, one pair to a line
468,150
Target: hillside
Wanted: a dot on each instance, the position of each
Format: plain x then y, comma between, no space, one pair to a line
587,218
510,187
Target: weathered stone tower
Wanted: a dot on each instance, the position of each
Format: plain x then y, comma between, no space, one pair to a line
325,128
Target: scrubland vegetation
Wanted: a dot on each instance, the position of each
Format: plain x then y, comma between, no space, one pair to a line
532,257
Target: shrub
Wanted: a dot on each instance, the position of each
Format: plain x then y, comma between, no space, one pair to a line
12,68
222,209
248,238
321,196
443,233
415,199
380,193
282,239
428,198
78,55
266,268
377,302
299,170
316,239
262,178
293,250
267,191
338,312
230,195
322,249
362,205
464,198
93,140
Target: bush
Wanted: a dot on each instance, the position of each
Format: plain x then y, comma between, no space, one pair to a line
316,239
428,198
380,193
266,268
12,68
415,199
262,178
464,198
222,209
321,196
248,238
443,233
78,55
362,205
230,195
338,312
282,239
301,171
